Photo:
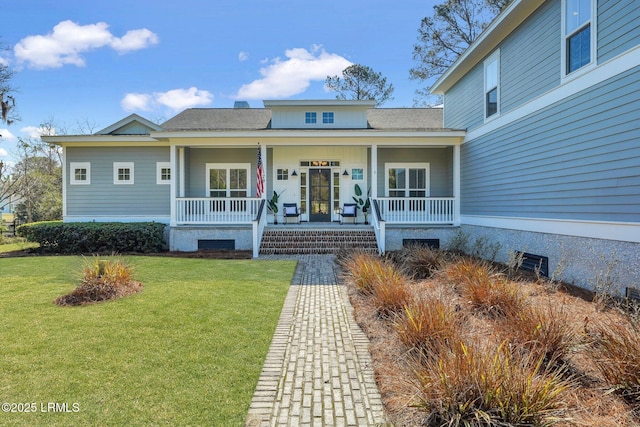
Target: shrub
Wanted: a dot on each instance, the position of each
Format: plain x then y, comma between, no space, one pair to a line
616,354
484,288
469,385
102,279
429,323
95,237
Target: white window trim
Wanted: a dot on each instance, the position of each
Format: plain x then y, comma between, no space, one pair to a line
563,43
159,167
227,166
72,173
123,165
495,56
402,165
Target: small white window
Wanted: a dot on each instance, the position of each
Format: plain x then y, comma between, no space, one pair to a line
492,84
122,173
310,117
282,174
80,173
327,117
163,173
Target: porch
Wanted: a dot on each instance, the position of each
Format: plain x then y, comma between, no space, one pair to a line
241,222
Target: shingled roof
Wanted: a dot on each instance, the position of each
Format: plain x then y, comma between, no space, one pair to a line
221,119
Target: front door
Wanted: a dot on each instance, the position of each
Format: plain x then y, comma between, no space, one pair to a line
320,191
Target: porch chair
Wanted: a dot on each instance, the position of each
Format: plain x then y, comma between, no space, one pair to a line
349,210
290,210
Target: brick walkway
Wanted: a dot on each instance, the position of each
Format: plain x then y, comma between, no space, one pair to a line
318,370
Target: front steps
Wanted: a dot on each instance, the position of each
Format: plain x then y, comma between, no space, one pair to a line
297,241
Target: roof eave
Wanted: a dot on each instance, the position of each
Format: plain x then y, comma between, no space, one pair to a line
498,30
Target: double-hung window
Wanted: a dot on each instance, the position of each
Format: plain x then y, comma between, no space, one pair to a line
407,179
228,180
578,34
492,84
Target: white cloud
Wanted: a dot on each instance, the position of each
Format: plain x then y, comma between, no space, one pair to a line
176,99
68,40
33,132
5,135
283,78
3,153
243,56
179,99
137,102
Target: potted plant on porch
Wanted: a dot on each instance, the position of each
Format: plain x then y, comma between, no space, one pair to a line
272,205
364,204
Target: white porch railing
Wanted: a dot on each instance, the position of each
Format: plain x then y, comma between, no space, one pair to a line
205,210
418,210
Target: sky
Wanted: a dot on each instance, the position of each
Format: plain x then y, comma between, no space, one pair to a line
85,65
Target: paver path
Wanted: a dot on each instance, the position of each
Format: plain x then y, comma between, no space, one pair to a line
318,370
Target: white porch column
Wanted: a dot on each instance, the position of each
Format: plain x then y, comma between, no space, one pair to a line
181,193
65,169
265,164
456,184
173,154
374,171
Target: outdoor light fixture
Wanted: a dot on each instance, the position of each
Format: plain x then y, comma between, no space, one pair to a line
294,173
345,173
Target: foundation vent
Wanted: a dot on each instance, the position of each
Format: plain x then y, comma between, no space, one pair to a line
432,243
229,244
533,263
633,294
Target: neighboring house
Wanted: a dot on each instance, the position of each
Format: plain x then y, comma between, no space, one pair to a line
538,149
550,97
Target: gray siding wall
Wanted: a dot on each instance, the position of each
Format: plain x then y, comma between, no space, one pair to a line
577,159
464,102
440,165
530,58
618,27
103,198
199,157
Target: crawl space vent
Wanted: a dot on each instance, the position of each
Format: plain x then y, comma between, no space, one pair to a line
217,244
432,243
533,263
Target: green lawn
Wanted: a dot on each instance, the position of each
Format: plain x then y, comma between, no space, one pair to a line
18,246
188,350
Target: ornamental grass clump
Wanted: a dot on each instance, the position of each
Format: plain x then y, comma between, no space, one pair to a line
485,289
471,385
362,269
428,323
419,261
102,280
615,351
389,289
545,331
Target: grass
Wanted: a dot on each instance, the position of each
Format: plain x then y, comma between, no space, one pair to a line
188,350
17,246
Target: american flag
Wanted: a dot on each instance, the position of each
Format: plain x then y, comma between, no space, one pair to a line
259,175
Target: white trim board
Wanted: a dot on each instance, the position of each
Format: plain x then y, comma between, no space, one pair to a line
79,218
607,230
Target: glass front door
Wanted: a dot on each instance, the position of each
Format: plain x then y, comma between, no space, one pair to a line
320,192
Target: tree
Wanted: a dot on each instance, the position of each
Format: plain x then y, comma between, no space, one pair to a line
360,82
443,37
7,101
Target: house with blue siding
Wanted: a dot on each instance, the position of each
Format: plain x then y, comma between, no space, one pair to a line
549,96
537,148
